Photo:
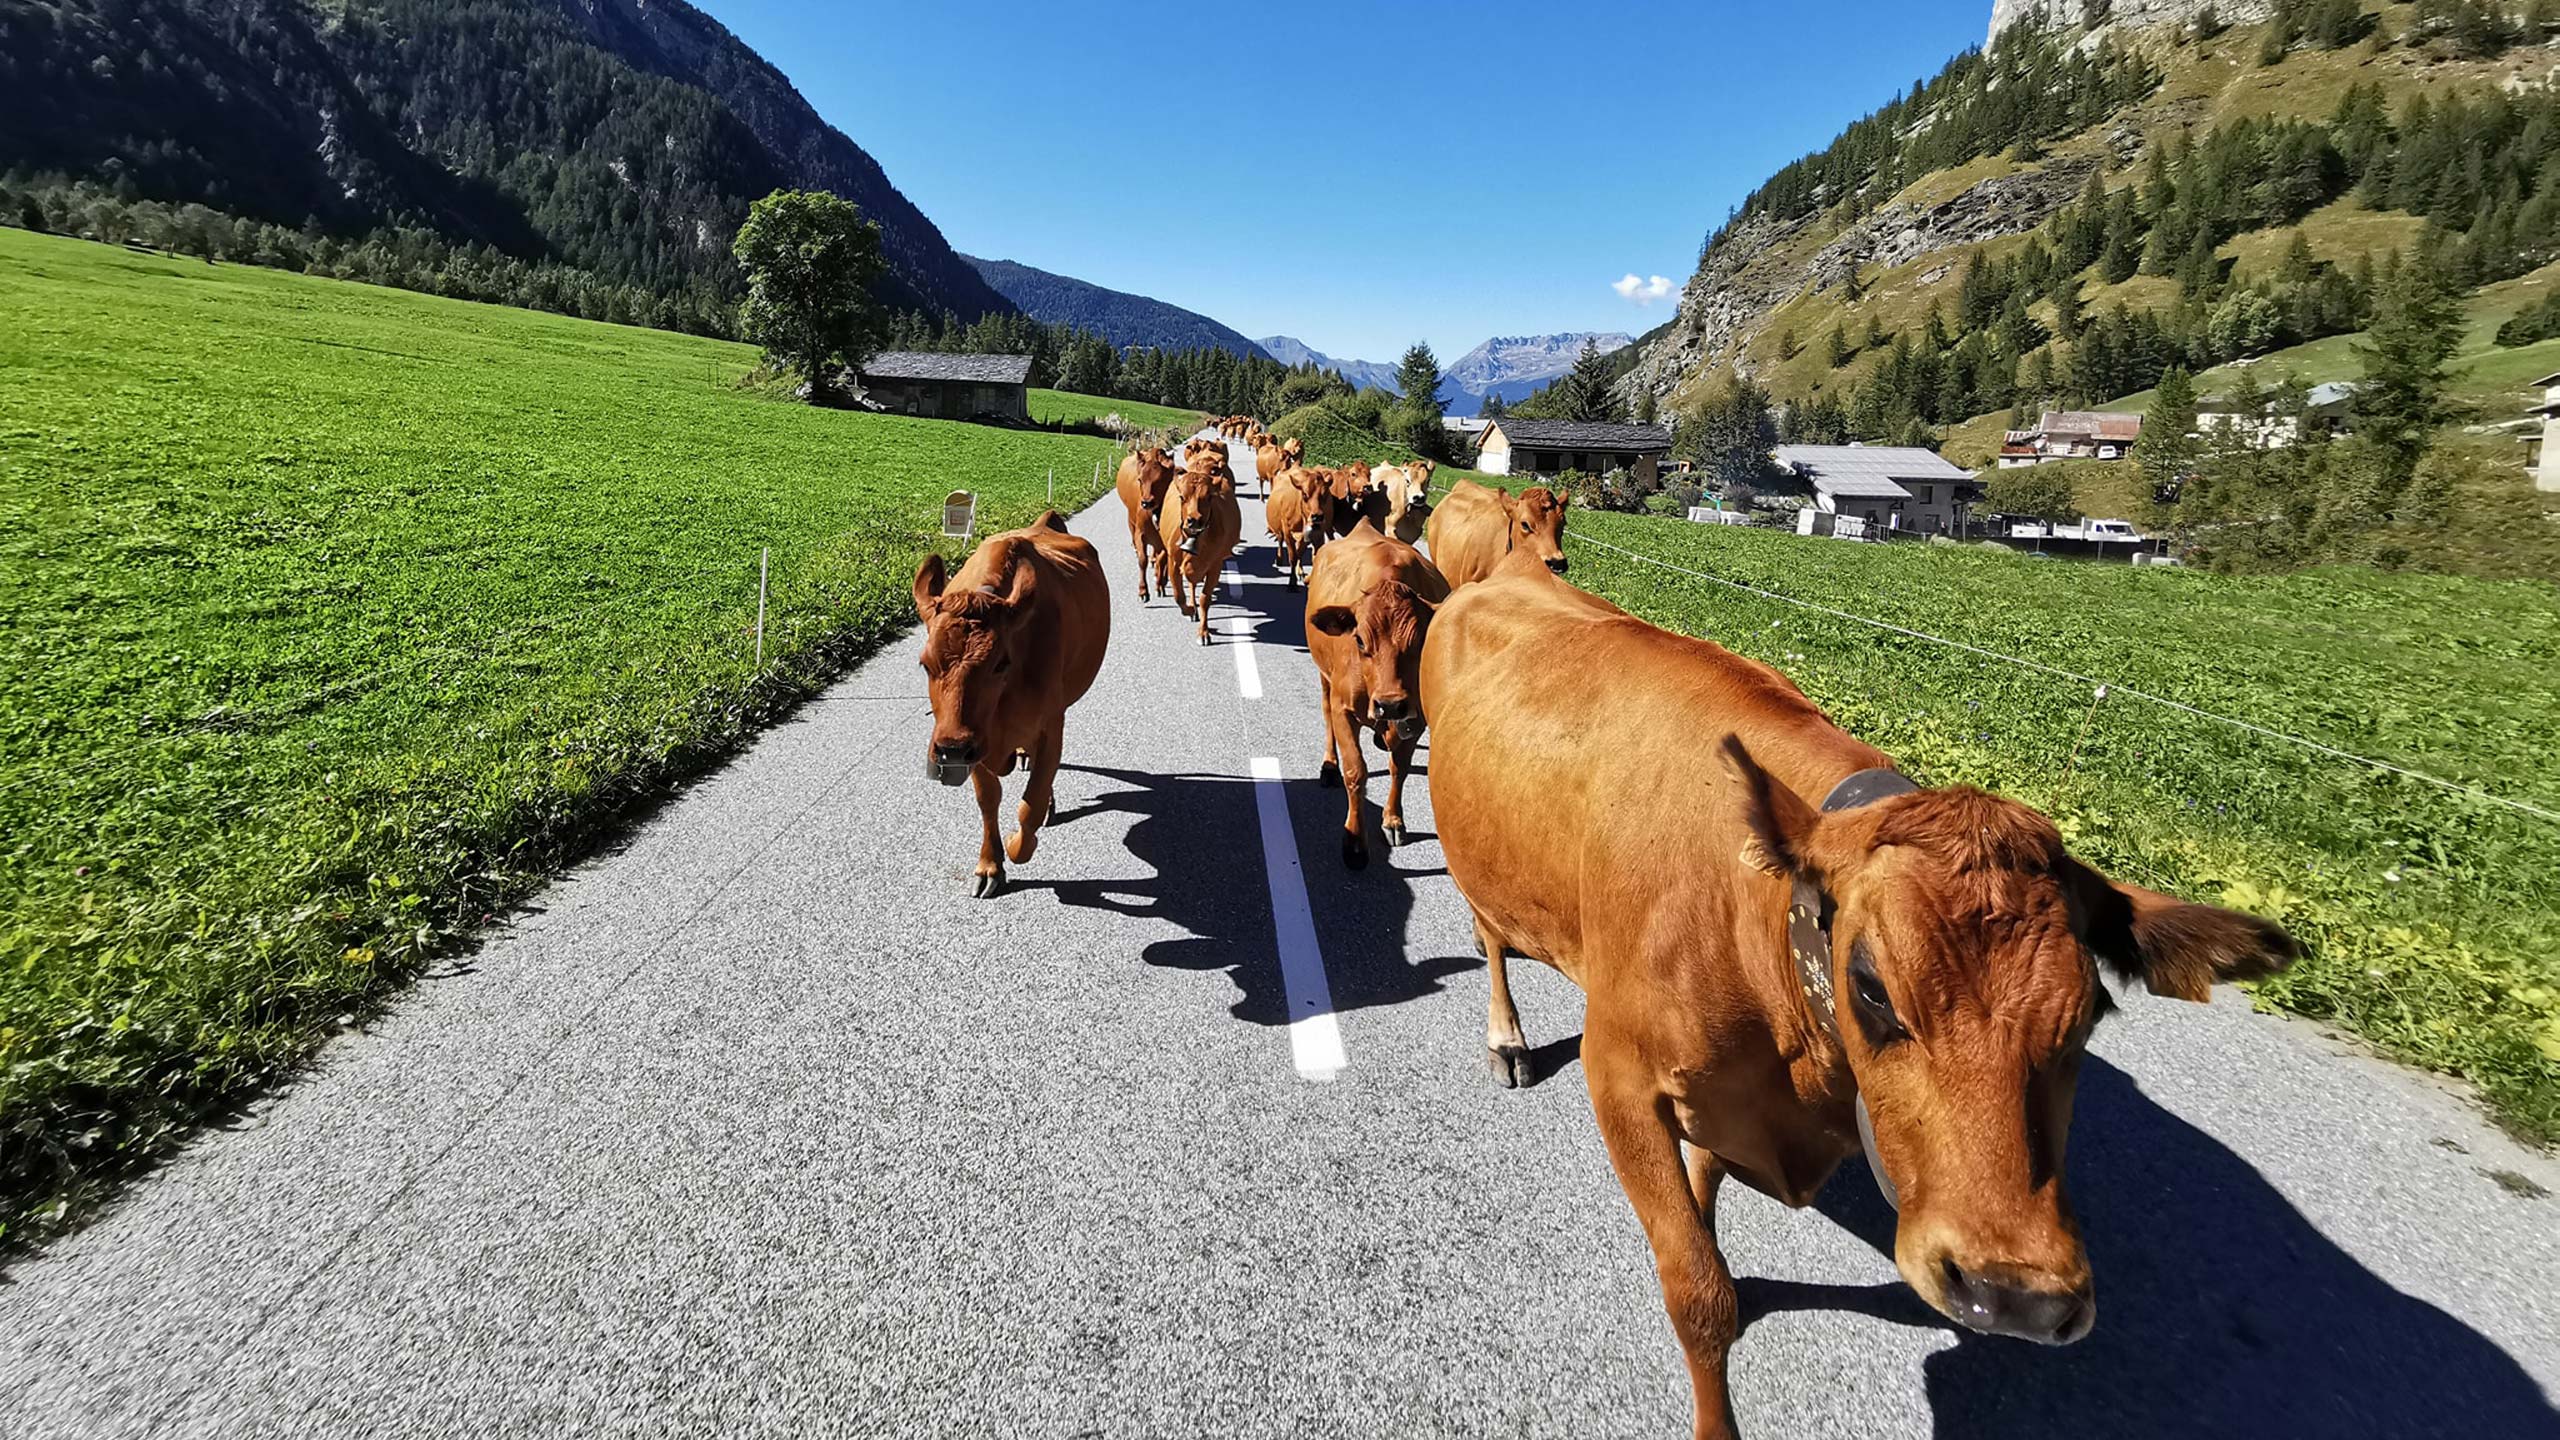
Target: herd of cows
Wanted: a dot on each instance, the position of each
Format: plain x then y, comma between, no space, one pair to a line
1789,951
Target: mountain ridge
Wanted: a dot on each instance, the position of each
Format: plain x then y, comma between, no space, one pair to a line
1121,317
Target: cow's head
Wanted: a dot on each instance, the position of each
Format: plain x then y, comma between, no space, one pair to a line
1293,450
1192,497
1408,491
1386,626
1537,525
1964,953
1313,492
1351,486
970,639
1155,477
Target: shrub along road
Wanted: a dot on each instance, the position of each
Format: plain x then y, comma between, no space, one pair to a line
761,1124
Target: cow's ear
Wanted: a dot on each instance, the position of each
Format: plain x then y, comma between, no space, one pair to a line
1781,823
930,578
1333,619
2175,948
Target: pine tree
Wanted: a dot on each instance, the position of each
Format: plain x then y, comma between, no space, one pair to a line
2167,451
1835,346
2119,253
2416,324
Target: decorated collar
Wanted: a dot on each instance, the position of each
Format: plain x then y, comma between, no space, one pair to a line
1809,935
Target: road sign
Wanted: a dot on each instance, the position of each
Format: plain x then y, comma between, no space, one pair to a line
959,513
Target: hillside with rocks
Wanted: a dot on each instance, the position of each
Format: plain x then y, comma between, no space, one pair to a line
2292,148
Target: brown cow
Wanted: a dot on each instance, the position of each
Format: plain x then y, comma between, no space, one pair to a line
1783,946
1403,508
1201,526
1145,476
1354,495
1270,458
1009,643
1474,526
1369,604
1297,514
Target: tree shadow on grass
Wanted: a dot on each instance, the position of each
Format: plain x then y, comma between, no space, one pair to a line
2221,1310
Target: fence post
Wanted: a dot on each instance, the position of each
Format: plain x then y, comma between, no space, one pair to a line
1053,487
764,573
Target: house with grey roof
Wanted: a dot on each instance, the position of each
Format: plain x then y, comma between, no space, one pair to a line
1888,487
1548,448
949,387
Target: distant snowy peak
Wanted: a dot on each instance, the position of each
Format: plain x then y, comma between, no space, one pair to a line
1506,360
1363,374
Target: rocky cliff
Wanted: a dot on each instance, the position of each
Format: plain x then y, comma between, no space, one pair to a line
2127,13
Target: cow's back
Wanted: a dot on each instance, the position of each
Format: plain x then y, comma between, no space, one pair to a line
1074,604
1285,512
1469,532
1570,756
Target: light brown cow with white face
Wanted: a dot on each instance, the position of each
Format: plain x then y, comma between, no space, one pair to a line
1270,458
1009,643
1201,527
1145,477
1773,930
1369,605
1402,499
1297,514
1474,526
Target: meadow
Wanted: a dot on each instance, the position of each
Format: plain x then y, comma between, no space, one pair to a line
2432,916
1065,407
339,616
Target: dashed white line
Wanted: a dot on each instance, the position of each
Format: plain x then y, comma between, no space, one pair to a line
1248,670
1315,1042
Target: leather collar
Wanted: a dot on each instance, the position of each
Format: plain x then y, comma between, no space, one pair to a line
1809,935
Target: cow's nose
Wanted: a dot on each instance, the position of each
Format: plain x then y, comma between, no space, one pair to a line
1397,707
2002,1307
955,752
1557,563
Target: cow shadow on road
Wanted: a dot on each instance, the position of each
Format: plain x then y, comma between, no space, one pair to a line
1200,836
2221,1310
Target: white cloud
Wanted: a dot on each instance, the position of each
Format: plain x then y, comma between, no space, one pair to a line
1641,290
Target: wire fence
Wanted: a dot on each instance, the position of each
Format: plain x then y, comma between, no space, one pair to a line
2104,687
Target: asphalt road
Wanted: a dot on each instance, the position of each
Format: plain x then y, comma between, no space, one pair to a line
762,1125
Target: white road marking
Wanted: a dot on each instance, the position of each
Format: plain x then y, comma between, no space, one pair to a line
1315,1042
1248,670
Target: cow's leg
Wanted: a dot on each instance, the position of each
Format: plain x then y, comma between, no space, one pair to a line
1138,537
1399,759
1355,784
1208,587
990,859
1329,774
1038,796
1697,1289
1506,1047
1170,580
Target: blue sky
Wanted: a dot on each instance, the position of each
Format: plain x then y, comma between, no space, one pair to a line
1359,176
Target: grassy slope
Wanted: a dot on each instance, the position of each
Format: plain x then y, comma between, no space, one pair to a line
1054,407
2435,918
2203,86
339,614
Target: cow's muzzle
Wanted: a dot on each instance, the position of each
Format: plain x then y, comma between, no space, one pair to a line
1997,1306
950,761
1558,564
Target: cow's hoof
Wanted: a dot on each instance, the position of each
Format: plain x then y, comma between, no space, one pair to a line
1019,848
1355,853
1510,1066
1204,637
990,886
1395,836
1329,775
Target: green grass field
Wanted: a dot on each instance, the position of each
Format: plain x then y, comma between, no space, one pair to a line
2434,916
1065,407
340,615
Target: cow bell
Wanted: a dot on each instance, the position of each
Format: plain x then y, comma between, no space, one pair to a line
949,772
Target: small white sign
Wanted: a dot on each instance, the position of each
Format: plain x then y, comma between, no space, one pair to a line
959,513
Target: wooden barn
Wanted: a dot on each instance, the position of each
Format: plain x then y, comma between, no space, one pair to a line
949,387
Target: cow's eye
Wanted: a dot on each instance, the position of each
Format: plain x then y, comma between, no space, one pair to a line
1874,1008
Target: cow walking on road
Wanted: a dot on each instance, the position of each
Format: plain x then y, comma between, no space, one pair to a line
1200,526
1145,476
1370,600
1009,643
1785,947
1474,526
1270,457
1405,491
1297,515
